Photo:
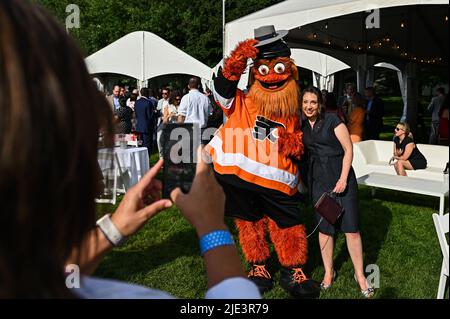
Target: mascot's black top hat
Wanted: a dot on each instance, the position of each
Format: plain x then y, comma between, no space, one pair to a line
271,44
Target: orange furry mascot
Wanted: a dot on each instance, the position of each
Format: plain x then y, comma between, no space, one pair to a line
255,155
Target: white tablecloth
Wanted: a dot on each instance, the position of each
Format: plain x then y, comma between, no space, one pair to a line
134,163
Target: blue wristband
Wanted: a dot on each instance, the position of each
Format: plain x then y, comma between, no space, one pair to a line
215,239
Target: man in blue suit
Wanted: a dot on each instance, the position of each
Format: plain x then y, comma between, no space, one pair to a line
144,110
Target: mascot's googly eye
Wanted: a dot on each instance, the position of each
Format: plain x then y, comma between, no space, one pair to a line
263,69
279,68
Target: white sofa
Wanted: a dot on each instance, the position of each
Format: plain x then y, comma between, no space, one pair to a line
373,156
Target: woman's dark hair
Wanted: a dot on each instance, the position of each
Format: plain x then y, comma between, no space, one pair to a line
316,91
48,151
173,96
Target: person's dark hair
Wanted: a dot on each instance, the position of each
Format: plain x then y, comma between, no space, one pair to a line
133,97
358,99
123,102
152,92
48,151
440,90
173,96
145,92
194,83
165,89
314,90
330,102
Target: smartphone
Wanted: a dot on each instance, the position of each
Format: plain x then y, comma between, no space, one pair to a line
180,142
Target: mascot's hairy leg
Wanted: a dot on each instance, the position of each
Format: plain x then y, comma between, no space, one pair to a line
252,237
291,246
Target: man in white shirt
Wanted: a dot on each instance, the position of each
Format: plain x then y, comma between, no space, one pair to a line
195,107
162,103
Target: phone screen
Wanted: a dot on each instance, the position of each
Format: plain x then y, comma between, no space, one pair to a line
179,146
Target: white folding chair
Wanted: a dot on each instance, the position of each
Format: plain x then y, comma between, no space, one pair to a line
441,224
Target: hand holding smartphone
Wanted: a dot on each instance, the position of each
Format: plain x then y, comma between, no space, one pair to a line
180,142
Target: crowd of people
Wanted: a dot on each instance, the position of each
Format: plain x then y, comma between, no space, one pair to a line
362,115
145,112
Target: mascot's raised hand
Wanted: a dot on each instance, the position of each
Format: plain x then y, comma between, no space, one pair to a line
236,63
290,144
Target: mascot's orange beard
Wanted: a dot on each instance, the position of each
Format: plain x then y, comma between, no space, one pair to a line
278,103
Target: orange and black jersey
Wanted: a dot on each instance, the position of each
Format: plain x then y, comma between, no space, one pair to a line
246,145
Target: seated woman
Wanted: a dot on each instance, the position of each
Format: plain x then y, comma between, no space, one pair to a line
406,152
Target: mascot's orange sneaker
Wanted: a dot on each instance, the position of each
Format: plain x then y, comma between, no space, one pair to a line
261,277
295,282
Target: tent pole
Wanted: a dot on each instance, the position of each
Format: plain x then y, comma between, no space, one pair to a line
143,60
223,29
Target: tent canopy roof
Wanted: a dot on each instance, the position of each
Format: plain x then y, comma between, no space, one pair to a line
343,22
143,55
317,62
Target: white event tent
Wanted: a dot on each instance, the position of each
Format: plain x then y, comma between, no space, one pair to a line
410,32
144,55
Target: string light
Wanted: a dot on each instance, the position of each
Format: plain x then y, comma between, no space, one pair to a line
402,25
446,18
378,43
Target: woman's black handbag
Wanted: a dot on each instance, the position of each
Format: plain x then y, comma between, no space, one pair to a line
329,208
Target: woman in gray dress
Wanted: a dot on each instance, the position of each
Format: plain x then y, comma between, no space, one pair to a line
330,154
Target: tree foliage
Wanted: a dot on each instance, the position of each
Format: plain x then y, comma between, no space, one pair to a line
193,26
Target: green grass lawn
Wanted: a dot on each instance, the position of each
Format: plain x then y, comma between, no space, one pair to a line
397,230
398,236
